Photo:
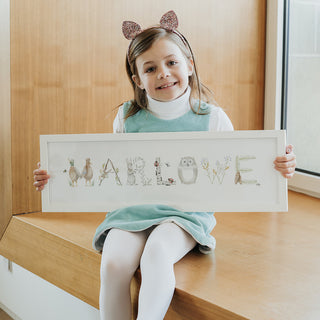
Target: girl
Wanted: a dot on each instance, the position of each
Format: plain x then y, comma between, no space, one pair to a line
168,96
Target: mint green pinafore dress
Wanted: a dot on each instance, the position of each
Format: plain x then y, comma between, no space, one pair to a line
141,217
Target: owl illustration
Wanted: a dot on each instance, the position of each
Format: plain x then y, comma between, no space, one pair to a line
188,170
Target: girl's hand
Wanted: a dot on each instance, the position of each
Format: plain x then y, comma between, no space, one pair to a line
286,165
40,177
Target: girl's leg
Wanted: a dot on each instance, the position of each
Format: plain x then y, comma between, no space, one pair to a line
166,245
120,258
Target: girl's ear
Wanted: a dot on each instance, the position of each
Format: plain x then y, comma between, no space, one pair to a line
137,81
190,67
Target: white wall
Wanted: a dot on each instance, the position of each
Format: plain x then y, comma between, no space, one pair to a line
26,296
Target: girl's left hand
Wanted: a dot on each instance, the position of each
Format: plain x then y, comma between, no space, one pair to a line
286,165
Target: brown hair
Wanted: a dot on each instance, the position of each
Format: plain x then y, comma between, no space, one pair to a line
141,44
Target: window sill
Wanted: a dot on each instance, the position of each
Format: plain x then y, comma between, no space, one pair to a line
263,264
305,183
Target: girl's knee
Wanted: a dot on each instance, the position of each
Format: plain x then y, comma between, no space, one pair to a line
154,254
115,268
121,254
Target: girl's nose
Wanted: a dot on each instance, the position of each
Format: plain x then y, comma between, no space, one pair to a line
163,73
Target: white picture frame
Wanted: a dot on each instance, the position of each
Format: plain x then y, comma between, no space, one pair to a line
190,171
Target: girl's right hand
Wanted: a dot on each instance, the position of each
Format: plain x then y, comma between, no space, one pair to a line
40,177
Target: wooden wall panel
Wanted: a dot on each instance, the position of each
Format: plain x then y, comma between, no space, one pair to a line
67,67
5,118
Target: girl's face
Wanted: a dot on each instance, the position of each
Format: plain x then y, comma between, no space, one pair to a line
163,71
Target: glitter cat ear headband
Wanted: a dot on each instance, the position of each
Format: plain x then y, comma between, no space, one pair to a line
168,21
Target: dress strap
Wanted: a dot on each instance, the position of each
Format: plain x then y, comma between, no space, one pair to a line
126,107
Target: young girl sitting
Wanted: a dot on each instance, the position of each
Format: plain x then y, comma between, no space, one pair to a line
168,96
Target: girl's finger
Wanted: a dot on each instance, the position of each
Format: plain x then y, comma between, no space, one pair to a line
286,169
40,178
288,176
39,171
285,164
40,183
40,188
289,149
288,157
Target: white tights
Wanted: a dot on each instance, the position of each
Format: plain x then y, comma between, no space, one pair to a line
156,250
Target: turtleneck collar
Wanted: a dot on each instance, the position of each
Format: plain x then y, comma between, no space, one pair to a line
170,109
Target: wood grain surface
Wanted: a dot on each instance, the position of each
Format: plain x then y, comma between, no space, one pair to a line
68,72
265,266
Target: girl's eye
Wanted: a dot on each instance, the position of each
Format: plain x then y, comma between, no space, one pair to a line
172,63
149,70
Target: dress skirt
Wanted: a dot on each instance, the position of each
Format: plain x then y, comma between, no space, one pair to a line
141,217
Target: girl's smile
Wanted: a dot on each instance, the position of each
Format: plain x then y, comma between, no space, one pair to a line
163,71
166,86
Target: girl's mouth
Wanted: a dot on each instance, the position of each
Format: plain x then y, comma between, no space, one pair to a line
167,85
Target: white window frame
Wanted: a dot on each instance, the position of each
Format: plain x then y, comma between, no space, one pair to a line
301,182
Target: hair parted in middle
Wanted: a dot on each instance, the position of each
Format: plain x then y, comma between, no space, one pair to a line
142,42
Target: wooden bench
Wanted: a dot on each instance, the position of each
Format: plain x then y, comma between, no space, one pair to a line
266,265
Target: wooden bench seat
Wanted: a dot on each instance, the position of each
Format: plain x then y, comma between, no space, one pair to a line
266,265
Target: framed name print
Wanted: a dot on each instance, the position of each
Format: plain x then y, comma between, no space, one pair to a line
190,171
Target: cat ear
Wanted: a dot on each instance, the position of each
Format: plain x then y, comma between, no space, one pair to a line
169,21
130,29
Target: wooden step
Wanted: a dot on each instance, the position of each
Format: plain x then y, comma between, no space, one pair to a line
266,265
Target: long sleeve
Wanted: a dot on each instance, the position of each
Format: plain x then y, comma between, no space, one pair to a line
219,121
118,122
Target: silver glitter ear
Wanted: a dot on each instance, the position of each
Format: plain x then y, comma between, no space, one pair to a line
130,29
169,21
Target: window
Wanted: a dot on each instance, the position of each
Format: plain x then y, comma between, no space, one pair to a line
301,96
292,92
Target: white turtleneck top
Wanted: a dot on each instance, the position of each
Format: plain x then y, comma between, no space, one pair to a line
169,110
